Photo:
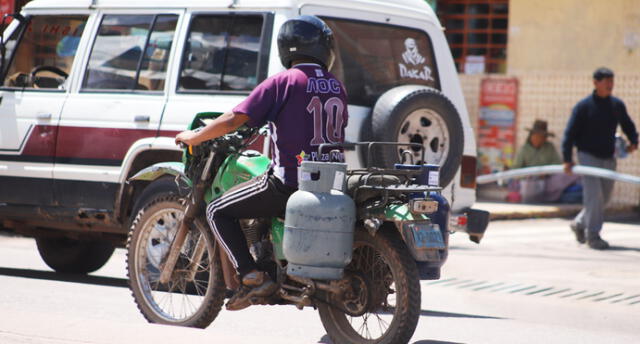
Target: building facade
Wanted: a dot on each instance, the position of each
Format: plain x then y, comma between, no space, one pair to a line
551,47
523,36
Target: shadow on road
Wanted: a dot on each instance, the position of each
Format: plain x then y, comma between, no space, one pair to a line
623,248
326,340
56,276
427,313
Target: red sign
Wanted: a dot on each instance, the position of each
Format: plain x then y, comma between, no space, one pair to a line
7,7
497,124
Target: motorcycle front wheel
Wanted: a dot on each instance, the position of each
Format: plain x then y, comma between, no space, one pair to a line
383,305
194,295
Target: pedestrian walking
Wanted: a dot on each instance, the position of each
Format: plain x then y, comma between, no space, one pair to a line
592,129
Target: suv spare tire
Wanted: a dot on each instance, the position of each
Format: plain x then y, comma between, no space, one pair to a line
418,114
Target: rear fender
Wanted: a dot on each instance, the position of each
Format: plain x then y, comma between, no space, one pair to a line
428,260
158,170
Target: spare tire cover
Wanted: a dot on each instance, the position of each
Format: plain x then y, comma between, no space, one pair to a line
418,114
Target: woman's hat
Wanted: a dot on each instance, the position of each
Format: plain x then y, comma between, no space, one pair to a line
540,126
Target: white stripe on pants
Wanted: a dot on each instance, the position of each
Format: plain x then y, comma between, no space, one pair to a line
252,187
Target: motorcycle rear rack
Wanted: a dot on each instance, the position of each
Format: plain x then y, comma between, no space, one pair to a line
406,176
369,148
402,188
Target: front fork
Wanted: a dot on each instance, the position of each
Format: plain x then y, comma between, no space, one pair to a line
197,197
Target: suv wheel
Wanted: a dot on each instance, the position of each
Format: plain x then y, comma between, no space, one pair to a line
418,114
74,256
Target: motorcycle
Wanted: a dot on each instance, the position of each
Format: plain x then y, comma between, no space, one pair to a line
179,275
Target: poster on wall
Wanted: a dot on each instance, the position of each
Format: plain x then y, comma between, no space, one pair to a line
497,124
6,7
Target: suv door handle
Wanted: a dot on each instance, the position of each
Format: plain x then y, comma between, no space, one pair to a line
142,118
43,116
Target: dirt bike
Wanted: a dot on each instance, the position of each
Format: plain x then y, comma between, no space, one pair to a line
179,275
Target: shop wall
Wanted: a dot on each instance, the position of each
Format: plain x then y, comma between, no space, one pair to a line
573,36
551,98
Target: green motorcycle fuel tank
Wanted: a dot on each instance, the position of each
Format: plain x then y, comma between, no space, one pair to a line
235,170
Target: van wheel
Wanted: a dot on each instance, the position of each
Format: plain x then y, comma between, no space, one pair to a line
418,114
74,256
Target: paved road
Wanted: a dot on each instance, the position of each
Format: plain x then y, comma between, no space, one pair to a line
528,282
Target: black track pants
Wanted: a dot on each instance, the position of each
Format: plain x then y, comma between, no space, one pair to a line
263,196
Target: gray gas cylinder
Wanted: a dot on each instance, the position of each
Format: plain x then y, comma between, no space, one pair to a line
319,223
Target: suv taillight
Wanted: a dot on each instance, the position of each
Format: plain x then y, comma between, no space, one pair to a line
468,172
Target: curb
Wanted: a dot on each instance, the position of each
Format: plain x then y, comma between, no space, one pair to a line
566,212
520,215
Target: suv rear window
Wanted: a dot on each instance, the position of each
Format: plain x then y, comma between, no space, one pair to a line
373,58
222,53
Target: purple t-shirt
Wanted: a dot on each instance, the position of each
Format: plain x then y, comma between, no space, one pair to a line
305,106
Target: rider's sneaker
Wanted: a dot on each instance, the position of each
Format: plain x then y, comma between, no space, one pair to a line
597,243
254,284
578,232
255,278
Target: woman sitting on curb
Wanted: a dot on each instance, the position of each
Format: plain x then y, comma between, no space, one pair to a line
537,151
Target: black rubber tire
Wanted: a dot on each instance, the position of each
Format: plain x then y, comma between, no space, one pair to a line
212,281
74,256
389,245
389,119
165,185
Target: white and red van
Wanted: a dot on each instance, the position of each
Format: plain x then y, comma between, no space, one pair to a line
95,90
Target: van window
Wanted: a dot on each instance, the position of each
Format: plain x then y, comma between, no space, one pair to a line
131,53
373,58
222,53
45,52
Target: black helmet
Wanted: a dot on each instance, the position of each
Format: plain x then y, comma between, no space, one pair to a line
305,37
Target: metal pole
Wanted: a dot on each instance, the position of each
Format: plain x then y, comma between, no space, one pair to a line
553,169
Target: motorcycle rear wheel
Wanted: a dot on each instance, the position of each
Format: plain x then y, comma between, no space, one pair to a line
385,307
183,301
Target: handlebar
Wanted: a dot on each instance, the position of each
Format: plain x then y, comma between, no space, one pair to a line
234,141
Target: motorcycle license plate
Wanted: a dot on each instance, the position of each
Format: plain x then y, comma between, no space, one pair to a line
427,236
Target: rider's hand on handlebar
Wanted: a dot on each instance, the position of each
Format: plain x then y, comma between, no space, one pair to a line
188,137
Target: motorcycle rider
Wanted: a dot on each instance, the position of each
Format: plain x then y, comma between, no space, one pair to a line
305,106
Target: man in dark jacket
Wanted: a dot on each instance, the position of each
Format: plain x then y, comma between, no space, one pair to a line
592,128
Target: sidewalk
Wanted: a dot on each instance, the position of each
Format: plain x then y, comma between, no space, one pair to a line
511,211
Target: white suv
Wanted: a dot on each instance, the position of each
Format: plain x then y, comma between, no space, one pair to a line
95,90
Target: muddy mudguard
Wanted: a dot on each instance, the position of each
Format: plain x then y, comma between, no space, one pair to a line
158,170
